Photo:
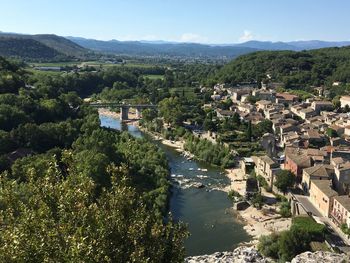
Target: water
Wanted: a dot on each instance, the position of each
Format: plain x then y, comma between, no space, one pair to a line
207,211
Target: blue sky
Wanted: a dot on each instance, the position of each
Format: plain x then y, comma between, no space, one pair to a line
206,21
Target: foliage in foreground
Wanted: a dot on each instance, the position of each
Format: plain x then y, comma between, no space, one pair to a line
287,244
57,219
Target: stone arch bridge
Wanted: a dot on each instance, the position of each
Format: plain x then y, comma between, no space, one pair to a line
124,108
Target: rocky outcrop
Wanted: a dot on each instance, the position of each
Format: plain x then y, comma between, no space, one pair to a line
250,255
239,255
321,256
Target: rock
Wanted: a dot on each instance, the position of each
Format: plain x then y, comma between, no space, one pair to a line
242,205
320,257
239,255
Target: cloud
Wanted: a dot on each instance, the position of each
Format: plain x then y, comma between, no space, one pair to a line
193,38
247,35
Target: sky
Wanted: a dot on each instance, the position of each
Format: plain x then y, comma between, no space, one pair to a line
200,21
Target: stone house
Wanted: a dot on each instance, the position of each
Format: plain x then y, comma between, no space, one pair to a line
317,172
266,167
342,178
319,106
321,195
341,210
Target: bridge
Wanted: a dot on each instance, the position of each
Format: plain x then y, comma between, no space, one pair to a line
124,108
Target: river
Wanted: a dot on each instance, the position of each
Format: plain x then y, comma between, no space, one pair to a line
207,211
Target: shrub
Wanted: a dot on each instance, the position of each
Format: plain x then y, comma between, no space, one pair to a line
309,225
285,209
234,196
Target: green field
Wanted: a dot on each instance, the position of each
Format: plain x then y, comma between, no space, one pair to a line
186,91
154,76
128,63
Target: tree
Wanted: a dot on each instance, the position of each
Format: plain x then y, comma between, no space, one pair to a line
284,180
55,219
249,131
331,133
171,110
292,243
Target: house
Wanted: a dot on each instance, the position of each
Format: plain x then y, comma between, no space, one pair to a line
288,128
341,210
306,113
314,137
236,94
246,108
319,106
318,172
322,195
266,167
342,178
286,98
296,160
264,94
291,138
344,101
263,104
254,117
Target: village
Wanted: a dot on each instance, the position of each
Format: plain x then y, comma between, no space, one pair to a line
311,139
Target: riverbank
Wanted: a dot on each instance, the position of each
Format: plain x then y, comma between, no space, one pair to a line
257,222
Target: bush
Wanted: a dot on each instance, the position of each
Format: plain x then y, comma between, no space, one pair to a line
268,245
285,245
258,200
285,209
234,196
310,226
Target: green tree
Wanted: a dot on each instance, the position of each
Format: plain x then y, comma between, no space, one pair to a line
171,109
284,180
249,131
55,219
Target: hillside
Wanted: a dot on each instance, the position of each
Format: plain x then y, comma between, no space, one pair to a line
39,47
138,48
27,49
294,69
60,44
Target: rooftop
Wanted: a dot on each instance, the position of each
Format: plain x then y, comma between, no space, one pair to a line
319,170
325,187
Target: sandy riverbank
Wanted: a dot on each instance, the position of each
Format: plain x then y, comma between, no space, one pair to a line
257,222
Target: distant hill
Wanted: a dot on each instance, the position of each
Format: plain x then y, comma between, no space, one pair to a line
294,45
191,50
39,47
64,48
27,49
160,48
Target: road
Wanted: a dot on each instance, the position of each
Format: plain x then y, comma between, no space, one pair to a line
309,207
